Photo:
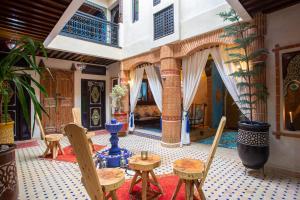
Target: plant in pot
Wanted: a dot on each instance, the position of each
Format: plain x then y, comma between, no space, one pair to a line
26,49
253,136
118,92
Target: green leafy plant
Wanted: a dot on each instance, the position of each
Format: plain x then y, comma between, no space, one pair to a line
117,93
26,49
251,90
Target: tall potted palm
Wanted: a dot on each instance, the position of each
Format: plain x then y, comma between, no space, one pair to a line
26,49
253,136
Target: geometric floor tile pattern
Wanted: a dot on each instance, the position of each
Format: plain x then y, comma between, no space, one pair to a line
47,179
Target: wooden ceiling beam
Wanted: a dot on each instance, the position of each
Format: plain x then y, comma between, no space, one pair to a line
18,18
55,4
30,9
19,34
46,8
45,19
13,25
25,23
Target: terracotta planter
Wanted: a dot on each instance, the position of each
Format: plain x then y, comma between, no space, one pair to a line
253,144
7,133
122,117
8,172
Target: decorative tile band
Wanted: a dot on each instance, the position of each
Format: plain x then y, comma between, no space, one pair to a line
171,118
260,139
170,72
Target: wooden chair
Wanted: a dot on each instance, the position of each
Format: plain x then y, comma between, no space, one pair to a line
51,141
77,120
99,183
193,172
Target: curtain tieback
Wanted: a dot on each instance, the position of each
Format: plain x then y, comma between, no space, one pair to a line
131,119
187,122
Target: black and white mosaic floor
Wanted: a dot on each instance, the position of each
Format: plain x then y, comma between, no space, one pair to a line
45,179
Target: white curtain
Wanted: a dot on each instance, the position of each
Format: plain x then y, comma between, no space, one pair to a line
135,87
155,85
192,68
220,56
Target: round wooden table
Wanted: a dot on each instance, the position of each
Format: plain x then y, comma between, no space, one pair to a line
190,172
143,169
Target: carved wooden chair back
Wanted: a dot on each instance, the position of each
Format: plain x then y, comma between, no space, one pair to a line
43,135
77,116
77,137
214,147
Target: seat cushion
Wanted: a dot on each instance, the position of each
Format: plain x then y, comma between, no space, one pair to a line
110,178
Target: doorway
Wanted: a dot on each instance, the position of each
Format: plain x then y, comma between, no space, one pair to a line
60,100
93,104
21,128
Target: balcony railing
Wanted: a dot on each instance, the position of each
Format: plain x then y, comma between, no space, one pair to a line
87,27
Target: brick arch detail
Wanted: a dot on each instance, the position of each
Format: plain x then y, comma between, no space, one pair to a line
150,57
192,45
180,49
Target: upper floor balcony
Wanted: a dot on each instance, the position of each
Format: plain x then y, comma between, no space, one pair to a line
88,27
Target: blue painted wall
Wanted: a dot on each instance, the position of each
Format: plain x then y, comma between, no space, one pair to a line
217,96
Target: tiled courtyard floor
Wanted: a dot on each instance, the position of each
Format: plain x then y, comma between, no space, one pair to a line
43,179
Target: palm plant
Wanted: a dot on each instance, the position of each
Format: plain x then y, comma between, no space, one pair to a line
251,90
27,50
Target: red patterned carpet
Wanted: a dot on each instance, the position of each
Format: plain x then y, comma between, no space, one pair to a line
168,184
69,155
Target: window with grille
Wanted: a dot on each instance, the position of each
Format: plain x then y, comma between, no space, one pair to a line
155,2
164,22
135,10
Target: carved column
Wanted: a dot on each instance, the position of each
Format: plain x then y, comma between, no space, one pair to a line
171,111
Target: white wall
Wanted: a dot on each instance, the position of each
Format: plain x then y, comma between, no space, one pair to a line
69,44
66,65
283,29
191,18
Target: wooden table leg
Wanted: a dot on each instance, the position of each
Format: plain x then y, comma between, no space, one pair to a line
192,190
187,189
61,150
156,181
177,189
144,185
54,149
133,182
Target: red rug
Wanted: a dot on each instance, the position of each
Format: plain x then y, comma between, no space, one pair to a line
168,184
26,144
69,155
101,132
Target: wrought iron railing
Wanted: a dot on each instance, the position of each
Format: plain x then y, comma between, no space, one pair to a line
87,27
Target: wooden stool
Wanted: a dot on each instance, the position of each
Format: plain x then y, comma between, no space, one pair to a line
53,145
190,171
51,141
143,169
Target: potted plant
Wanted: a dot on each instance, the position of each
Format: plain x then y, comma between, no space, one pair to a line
253,136
118,92
26,50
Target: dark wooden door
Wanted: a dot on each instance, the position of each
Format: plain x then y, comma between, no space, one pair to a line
93,104
60,100
21,128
